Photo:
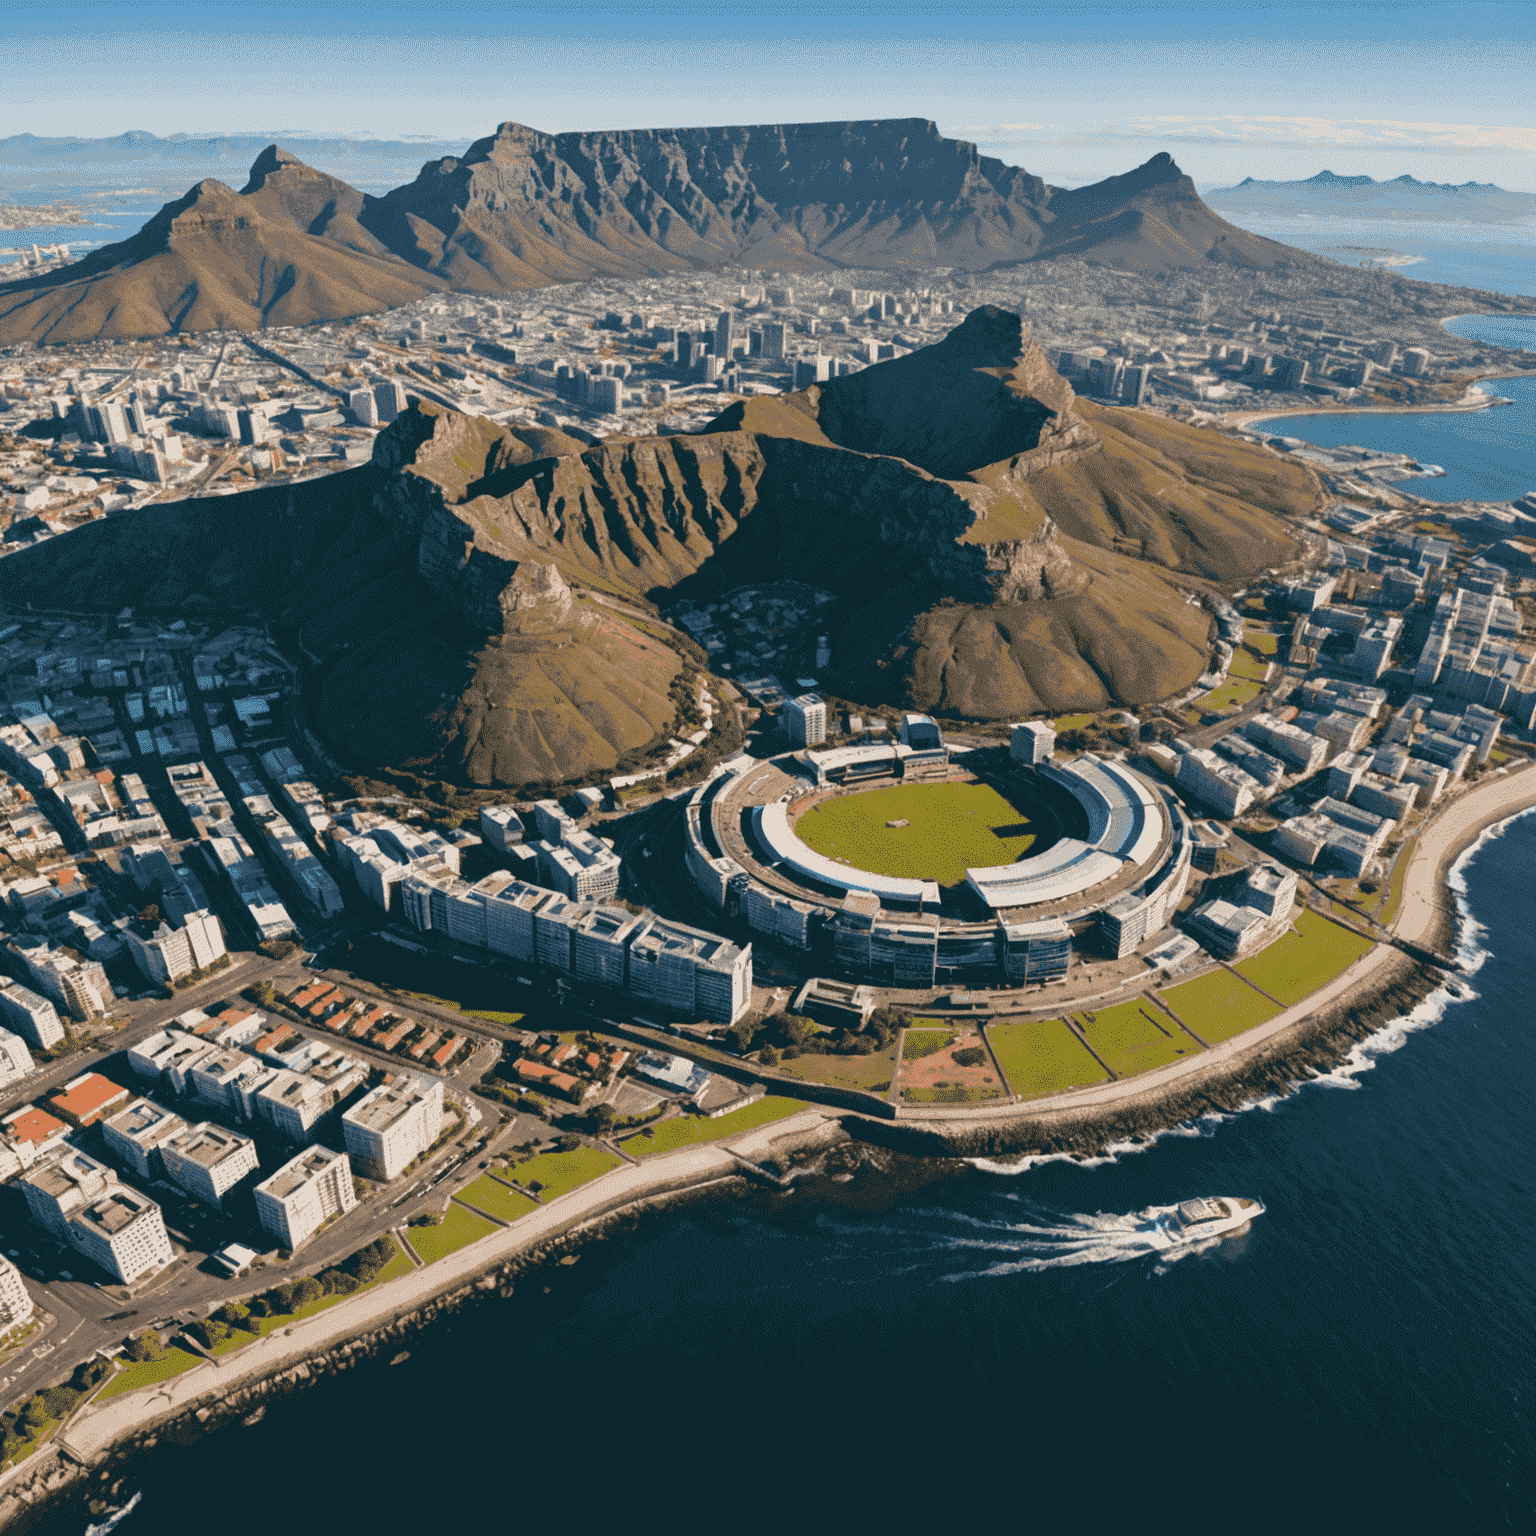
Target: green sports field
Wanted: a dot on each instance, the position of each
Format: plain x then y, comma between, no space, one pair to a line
1301,962
1219,1005
951,828
1134,1037
1042,1056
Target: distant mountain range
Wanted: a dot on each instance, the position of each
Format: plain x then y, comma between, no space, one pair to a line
1404,197
522,209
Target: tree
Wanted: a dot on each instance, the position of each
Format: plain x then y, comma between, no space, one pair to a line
305,1291
144,1347
569,1143
602,1118
150,914
266,996
971,1056
768,1056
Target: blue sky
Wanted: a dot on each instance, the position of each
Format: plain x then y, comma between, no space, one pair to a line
1071,90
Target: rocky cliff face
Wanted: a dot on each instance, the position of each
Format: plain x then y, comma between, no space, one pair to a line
1042,571
521,209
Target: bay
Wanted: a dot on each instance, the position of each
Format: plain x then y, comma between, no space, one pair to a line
980,1341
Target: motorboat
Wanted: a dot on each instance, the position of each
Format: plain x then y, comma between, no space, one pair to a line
1195,1220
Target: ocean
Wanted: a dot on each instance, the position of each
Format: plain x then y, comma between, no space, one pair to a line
1365,1356
1362,1355
1487,455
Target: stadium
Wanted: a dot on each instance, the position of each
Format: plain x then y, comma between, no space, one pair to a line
903,864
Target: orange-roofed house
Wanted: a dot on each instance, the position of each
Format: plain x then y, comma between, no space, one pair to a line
85,1100
536,1073
35,1127
561,1055
425,1044
447,1050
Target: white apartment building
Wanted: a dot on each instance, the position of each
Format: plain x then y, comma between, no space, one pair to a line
81,1201
136,1134
296,1201
1032,742
15,1300
31,1015
1221,785
805,720
165,954
500,826
389,1128
207,1161
291,1103
15,1058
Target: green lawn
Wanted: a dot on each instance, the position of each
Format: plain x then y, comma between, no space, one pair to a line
1260,640
951,828
1042,1056
1135,1037
1245,664
1073,722
491,1195
924,1042
1394,896
1218,1005
937,1095
133,1376
489,1015
1236,691
561,1172
873,1073
690,1130
456,1229
1299,963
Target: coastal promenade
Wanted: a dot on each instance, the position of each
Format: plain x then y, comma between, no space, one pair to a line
1424,914
98,1428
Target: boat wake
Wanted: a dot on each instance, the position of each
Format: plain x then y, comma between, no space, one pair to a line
1050,1240
117,1515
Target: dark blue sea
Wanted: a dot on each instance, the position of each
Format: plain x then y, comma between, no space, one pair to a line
968,1342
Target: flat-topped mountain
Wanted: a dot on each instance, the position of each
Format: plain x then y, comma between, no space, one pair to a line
482,598
522,209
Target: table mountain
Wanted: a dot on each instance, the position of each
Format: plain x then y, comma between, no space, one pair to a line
522,209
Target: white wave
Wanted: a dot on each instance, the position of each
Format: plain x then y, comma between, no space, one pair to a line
1471,956
1065,1242
114,1516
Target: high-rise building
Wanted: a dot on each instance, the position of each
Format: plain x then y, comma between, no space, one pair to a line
32,1016
15,1300
81,1201
165,954
724,336
364,407
296,1201
15,1058
500,826
773,341
390,1127
1290,372
390,400
805,720
1033,742
207,1161
135,1135
1415,362
1137,384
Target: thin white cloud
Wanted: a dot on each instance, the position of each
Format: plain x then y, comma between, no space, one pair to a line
1277,132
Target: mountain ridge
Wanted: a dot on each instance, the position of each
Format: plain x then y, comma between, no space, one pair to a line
521,209
476,640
